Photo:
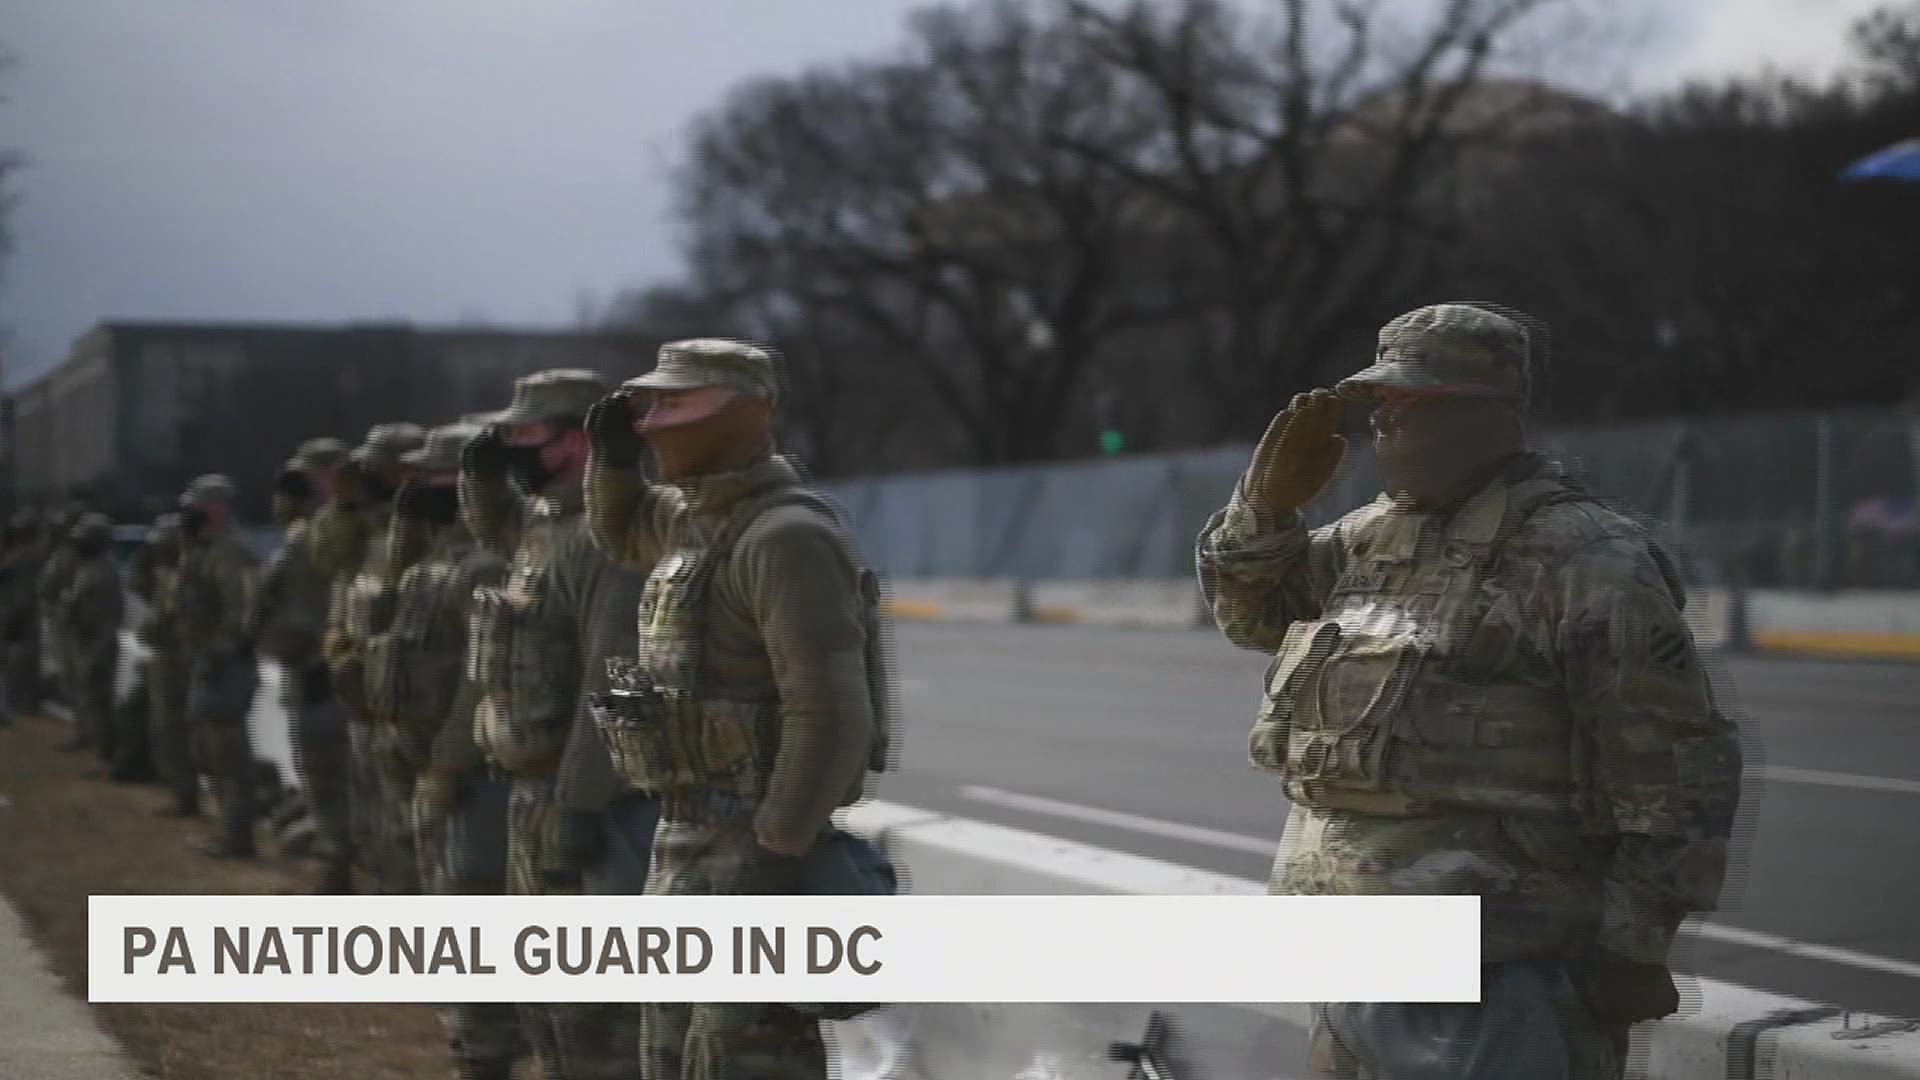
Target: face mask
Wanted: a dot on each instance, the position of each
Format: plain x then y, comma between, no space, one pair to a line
293,485
729,438
438,505
90,545
378,488
530,474
193,521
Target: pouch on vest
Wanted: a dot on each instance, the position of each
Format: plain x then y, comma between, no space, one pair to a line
489,640
631,716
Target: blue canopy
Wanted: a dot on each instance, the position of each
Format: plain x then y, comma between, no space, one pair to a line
1901,161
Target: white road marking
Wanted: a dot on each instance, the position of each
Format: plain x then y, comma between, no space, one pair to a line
1258,845
1785,775
1730,935
1754,939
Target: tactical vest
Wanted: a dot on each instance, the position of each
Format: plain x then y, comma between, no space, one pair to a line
413,673
664,728
507,659
1379,705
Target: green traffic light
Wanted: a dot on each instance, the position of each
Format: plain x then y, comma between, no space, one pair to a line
1112,442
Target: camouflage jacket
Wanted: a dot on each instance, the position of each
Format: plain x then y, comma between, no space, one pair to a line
157,581
218,576
55,575
289,617
416,673
359,595
94,607
1501,700
784,625
19,590
535,632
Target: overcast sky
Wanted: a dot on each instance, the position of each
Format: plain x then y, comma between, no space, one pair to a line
439,159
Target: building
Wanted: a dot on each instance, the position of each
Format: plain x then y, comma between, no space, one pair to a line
139,408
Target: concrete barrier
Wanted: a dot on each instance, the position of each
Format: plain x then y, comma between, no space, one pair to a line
952,600
1734,1033
1167,604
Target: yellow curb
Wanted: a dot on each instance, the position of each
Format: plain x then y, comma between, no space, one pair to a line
913,609
1043,613
1841,643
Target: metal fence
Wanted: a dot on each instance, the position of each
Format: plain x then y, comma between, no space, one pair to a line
1787,500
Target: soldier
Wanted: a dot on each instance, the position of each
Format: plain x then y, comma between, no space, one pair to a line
533,635
154,576
93,608
218,577
56,574
418,683
19,581
289,622
351,531
1482,684
755,664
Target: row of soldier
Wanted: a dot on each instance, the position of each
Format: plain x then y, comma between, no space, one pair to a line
514,663
1482,684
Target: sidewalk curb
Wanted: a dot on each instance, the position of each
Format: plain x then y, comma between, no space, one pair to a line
45,1032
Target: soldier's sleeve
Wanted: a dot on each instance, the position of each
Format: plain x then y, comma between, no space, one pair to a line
236,575
1659,763
293,607
587,781
1261,570
339,538
626,516
794,572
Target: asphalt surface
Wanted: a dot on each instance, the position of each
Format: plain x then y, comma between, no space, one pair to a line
1135,740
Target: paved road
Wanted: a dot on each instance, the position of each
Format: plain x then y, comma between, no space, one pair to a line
1136,740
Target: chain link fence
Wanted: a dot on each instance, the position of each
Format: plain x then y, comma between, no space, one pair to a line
1788,500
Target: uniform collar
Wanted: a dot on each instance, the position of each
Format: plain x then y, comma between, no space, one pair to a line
1475,522
712,497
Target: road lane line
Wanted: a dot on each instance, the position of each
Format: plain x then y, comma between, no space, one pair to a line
1785,775
1730,935
1258,845
1755,939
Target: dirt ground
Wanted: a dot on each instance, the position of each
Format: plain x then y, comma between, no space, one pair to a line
66,832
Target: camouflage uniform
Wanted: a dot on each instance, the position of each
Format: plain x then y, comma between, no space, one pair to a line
351,546
218,577
752,630
19,583
1500,700
424,704
530,634
56,573
93,609
154,576
289,624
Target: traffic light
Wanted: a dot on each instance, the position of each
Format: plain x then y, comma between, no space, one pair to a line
1112,442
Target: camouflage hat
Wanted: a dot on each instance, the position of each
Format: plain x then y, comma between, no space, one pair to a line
318,453
93,526
386,442
211,488
700,362
555,394
1456,348
441,452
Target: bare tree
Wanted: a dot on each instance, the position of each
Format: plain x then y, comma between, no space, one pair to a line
1310,161
934,204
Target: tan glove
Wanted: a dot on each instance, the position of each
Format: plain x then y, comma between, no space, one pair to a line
1297,455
